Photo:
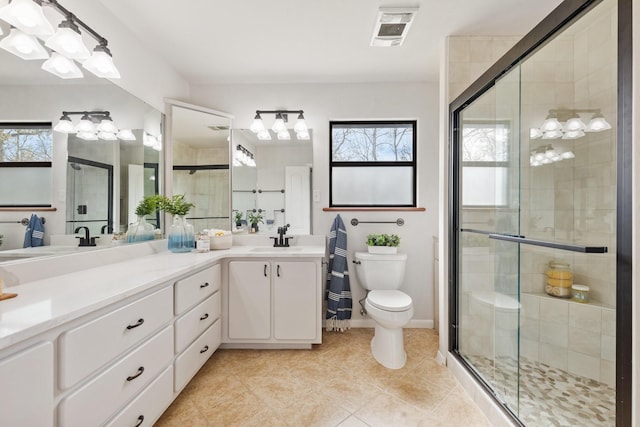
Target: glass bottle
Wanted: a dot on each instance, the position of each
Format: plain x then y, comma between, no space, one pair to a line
140,230
181,235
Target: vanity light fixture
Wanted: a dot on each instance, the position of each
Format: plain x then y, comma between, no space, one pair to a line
95,125
28,17
547,154
23,45
573,128
243,156
64,125
126,135
279,126
152,141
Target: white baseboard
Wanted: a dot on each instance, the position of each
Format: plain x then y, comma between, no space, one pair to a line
441,359
369,323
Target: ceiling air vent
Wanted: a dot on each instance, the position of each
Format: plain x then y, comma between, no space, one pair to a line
392,26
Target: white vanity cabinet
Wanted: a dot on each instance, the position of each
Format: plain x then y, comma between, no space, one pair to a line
26,387
274,301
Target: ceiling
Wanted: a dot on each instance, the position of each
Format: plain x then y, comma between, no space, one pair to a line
311,41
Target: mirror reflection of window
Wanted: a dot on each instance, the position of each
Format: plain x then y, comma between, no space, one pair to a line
25,160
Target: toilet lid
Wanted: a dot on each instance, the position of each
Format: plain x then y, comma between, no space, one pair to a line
389,300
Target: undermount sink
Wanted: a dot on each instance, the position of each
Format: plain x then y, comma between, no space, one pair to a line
276,249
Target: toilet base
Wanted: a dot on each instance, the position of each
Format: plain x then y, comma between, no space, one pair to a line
387,347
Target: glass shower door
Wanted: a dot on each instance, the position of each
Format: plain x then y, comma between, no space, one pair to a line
488,269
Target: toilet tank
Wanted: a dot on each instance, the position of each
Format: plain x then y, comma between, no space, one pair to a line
380,271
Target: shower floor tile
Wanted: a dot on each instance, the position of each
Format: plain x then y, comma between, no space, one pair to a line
552,397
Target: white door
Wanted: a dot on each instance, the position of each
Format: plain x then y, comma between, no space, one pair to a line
249,300
294,300
297,194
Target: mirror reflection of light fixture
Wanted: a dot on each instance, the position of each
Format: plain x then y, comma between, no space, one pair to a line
573,127
96,125
23,45
547,154
279,126
243,156
27,16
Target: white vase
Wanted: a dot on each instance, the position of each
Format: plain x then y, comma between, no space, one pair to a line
382,249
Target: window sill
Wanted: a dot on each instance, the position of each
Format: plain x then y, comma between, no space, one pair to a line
28,209
365,209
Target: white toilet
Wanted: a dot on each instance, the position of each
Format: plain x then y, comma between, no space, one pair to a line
391,309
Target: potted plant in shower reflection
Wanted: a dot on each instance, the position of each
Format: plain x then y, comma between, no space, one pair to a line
141,230
237,217
254,218
383,243
181,235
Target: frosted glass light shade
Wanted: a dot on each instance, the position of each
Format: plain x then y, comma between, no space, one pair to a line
303,135
85,126
573,134
126,135
107,136
284,135
535,133
301,125
87,136
257,125
23,45
106,125
69,43
550,124
552,134
278,125
27,16
264,135
597,124
101,64
64,125
574,123
62,67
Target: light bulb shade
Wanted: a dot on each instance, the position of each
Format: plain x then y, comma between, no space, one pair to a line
68,42
567,155
107,136
85,125
62,67
551,123
597,124
101,64
257,125
552,134
534,133
126,135
303,135
106,125
574,124
284,135
23,45
28,16
301,125
87,136
264,135
64,125
278,125
236,162
573,134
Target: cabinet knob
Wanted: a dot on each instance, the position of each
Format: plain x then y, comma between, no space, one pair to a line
135,325
140,420
204,316
205,349
204,285
133,377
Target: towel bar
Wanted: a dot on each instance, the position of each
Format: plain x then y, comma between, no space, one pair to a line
23,221
399,222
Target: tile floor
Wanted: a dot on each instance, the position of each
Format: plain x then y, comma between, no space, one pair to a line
337,383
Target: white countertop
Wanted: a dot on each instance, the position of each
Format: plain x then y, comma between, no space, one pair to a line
48,302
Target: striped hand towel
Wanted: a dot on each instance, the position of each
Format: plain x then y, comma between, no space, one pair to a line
338,292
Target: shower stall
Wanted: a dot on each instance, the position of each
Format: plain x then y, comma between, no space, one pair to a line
539,210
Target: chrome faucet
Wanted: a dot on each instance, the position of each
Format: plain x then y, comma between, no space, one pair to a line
282,241
87,240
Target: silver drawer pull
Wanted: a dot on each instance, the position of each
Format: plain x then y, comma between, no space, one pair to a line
133,377
204,285
204,316
140,421
204,350
140,322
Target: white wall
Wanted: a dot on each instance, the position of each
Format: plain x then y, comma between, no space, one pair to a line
324,102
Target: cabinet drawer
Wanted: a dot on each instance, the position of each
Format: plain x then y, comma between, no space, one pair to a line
26,387
93,403
193,289
145,409
189,362
195,321
88,347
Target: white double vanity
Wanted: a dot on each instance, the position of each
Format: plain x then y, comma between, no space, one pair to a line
112,336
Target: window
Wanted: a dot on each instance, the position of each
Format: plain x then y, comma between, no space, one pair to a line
25,164
485,163
373,164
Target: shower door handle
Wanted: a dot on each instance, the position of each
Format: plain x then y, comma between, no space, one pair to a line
554,245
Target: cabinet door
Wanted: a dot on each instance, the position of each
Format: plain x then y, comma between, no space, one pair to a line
295,300
249,300
26,387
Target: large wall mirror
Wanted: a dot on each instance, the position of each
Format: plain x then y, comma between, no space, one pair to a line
276,183
200,162
90,183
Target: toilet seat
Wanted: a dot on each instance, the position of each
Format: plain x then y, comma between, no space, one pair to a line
389,300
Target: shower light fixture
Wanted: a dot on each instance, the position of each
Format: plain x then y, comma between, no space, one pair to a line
279,126
28,18
574,127
94,125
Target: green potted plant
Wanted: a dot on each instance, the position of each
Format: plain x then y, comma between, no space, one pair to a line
141,230
181,234
254,218
237,217
383,243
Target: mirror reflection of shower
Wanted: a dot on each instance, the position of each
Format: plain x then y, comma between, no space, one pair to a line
89,196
